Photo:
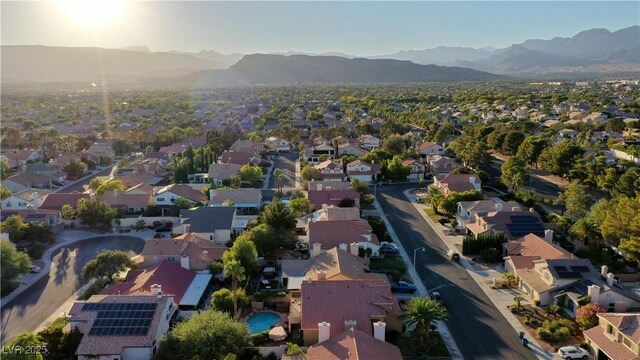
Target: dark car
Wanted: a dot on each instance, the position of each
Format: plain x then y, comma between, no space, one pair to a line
453,255
404,287
388,249
437,297
444,220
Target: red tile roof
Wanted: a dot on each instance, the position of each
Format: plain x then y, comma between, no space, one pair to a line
173,278
535,248
615,350
457,182
56,201
340,300
184,245
185,191
334,232
331,197
237,157
119,199
353,344
627,324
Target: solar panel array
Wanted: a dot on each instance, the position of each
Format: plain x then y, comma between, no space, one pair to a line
581,288
580,268
564,273
121,319
522,225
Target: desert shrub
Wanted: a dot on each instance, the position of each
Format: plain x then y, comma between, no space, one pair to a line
260,338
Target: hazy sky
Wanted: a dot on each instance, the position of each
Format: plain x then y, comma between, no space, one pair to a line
361,28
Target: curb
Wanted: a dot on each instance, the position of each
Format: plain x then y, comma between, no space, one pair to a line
422,290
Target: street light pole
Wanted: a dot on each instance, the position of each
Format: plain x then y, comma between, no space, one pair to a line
414,255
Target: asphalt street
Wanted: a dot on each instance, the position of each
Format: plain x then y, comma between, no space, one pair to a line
30,309
540,185
287,163
78,186
479,329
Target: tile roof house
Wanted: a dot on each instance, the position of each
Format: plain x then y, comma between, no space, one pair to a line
49,217
126,201
189,250
168,195
350,149
319,185
439,164
417,169
363,171
221,172
456,183
521,253
369,142
429,148
25,199
247,201
213,224
332,197
98,150
328,213
331,170
239,158
56,201
173,149
21,157
277,144
23,180
328,234
330,307
617,337
513,224
353,344
467,210
121,327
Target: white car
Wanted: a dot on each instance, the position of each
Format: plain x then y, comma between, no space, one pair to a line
34,269
573,352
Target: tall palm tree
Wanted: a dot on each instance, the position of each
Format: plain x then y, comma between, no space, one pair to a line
279,175
421,312
235,271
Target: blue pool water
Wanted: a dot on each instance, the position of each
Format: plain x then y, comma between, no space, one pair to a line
262,321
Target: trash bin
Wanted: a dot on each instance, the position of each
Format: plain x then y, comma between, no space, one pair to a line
525,342
521,335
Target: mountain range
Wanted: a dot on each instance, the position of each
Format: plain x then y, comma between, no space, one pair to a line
589,53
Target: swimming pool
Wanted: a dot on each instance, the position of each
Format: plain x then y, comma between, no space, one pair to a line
262,321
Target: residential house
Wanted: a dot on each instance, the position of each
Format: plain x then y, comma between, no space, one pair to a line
330,213
246,201
186,286
189,250
521,253
25,199
55,201
101,150
417,169
456,183
350,149
23,180
63,159
120,326
239,158
513,224
369,142
467,210
126,201
320,185
439,164
429,148
340,233
167,196
353,344
327,308
617,337
277,144
363,171
333,197
49,217
211,223
54,172
331,170
173,149
220,173
314,148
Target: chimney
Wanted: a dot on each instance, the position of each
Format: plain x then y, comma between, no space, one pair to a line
532,210
353,248
515,208
548,235
319,186
156,289
499,207
317,249
594,293
342,246
604,270
322,275
324,207
184,262
146,168
472,179
115,193
155,191
159,295
610,279
324,331
350,324
379,329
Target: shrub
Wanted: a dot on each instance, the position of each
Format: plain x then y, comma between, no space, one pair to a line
513,310
260,338
553,309
271,356
536,302
545,334
491,255
586,315
294,349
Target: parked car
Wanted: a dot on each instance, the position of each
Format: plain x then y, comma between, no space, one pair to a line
444,220
573,352
388,249
404,287
34,269
453,255
437,297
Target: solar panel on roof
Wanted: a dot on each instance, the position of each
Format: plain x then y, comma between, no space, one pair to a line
121,319
560,268
580,268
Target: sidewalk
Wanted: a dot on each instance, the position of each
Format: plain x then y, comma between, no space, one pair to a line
422,290
65,238
484,277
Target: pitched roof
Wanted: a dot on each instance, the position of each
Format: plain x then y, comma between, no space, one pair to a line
29,215
26,178
56,201
338,301
613,349
208,219
333,233
336,262
488,205
184,191
514,224
458,182
238,157
125,200
328,164
223,171
535,246
353,344
328,185
30,193
173,278
201,252
628,324
426,145
238,196
374,168
330,197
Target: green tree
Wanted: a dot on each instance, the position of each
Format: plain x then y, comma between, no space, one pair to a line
394,144
560,158
243,250
222,300
615,124
61,345
514,173
15,227
4,193
629,183
421,312
518,299
294,349
94,212
531,148
251,175
5,170
608,180
206,335
300,206
233,269
95,183
586,230
74,169
107,264
512,142
13,264
279,217
110,185
265,239
396,170
309,173
475,155
278,174
21,346
576,200
68,212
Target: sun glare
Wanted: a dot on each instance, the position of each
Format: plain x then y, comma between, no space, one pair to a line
93,12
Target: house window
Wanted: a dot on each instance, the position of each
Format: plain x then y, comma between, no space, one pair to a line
571,306
172,258
22,204
627,342
609,329
173,200
8,204
612,307
211,237
160,199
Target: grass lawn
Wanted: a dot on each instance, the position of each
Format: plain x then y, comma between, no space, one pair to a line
438,350
432,214
390,263
59,323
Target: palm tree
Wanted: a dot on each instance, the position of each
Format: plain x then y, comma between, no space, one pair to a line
421,312
279,175
518,299
235,271
509,277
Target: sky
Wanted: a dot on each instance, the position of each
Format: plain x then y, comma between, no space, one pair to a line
356,28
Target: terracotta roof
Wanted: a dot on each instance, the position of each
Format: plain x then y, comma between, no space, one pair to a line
237,157
458,182
507,223
223,171
353,344
27,179
328,164
185,191
534,280
238,196
333,233
30,194
187,244
174,148
627,324
173,278
614,350
533,245
30,215
426,145
331,197
338,301
487,205
119,199
336,262
375,168
56,201
523,262
129,181
328,185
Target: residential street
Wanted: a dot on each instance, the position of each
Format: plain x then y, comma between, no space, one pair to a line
538,184
287,163
30,309
479,329
78,186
